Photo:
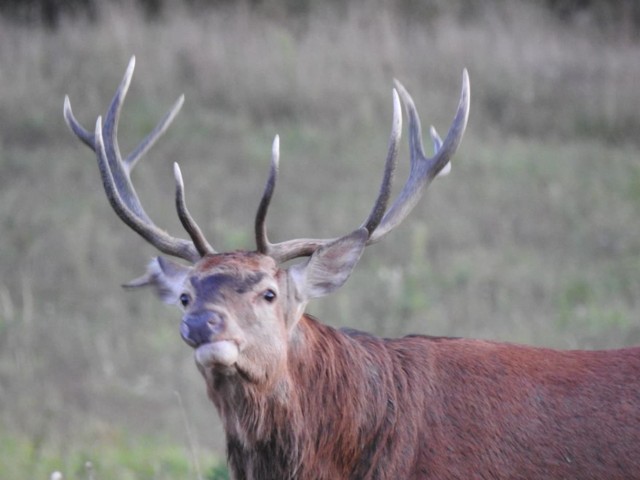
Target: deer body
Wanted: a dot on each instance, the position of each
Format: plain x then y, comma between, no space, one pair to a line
301,400
344,404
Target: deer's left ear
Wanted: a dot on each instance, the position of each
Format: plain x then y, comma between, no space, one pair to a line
166,277
329,267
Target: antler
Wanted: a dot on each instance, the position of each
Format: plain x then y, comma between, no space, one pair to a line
380,221
290,249
115,172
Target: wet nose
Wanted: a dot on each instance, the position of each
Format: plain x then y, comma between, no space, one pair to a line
198,327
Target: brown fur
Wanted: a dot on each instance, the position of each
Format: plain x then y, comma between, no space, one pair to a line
354,406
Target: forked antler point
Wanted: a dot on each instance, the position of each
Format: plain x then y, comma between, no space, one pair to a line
115,173
189,224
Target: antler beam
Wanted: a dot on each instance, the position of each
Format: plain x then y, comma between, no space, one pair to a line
380,221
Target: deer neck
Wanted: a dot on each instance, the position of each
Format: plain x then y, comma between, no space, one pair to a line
327,371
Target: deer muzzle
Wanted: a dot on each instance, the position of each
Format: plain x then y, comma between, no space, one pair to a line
201,327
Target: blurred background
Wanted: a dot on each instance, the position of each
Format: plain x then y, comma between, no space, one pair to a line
534,237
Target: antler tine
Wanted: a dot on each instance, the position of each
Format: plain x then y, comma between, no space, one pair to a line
262,241
192,228
142,148
87,137
282,251
424,169
435,138
437,145
116,180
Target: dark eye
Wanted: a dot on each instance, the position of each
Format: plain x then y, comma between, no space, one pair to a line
185,299
269,295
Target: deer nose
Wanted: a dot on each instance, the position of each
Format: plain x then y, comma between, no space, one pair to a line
197,328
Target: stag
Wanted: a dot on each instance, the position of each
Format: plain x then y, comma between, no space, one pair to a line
299,399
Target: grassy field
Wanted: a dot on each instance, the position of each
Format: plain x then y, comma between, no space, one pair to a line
534,237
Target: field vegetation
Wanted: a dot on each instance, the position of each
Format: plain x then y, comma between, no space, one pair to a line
534,237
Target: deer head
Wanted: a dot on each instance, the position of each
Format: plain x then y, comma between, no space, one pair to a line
241,309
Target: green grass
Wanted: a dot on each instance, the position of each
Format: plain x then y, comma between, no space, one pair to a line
111,455
534,237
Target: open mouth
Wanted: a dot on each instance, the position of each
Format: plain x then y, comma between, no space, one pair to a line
222,353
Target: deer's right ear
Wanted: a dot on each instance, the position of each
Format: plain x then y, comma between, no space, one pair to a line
166,277
329,267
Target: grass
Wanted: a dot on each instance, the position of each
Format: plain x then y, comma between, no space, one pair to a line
112,455
534,237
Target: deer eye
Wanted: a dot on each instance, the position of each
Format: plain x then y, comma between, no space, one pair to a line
185,299
269,295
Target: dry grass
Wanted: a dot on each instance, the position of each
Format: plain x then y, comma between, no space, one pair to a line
534,237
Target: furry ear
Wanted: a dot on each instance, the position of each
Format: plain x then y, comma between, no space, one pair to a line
166,277
329,267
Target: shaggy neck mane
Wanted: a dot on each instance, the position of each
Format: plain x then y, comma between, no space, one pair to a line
335,401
